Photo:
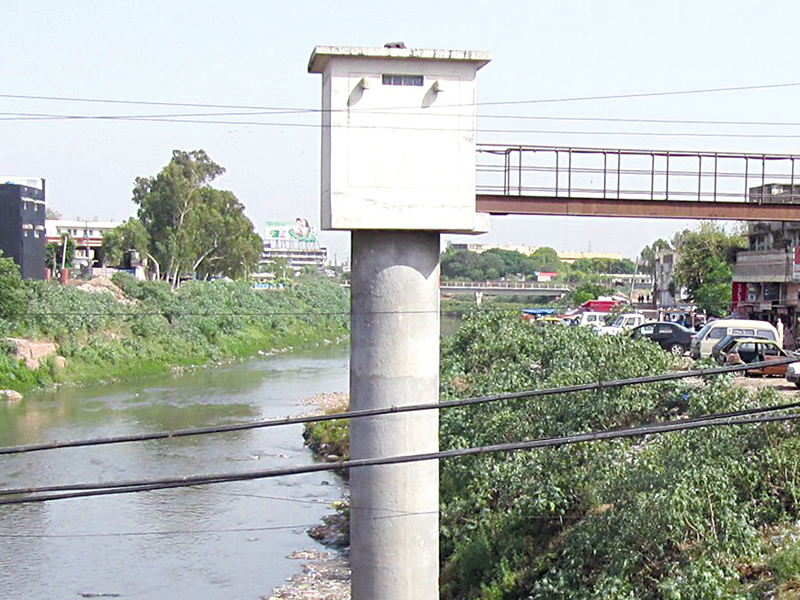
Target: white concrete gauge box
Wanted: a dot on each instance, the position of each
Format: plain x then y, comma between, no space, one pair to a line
398,138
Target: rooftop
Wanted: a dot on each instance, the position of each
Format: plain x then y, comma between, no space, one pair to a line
323,54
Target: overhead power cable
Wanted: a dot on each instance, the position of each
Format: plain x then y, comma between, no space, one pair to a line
43,494
586,387
264,314
481,130
644,94
168,532
652,121
177,116
491,103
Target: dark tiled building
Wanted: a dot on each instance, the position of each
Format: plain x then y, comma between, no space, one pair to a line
22,235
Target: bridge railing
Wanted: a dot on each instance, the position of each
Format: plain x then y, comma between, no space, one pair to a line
637,174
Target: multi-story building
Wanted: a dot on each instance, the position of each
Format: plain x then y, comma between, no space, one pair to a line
22,211
87,236
666,292
291,245
766,278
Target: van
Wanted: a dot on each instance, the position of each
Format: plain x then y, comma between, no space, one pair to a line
705,339
591,318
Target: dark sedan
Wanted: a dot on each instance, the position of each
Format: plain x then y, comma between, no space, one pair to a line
672,337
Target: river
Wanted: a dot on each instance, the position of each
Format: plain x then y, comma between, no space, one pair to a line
228,541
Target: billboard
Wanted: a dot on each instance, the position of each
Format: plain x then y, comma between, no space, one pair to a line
298,230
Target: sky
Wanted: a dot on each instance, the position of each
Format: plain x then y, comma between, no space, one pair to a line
98,92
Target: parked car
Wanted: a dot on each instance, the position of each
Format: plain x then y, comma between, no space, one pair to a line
732,350
705,339
672,337
793,373
623,322
591,318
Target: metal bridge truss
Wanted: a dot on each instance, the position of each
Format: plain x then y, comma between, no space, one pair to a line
637,183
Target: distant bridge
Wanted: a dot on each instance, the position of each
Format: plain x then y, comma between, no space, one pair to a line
519,288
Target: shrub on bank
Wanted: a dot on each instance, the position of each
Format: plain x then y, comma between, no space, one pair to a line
683,515
156,328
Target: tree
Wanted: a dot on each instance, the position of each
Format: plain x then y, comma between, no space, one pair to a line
131,235
55,256
546,259
12,290
228,245
624,266
704,265
462,264
647,257
193,228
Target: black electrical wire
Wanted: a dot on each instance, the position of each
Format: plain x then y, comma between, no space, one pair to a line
585,387
178,313
41,494
172,532
493,103
425,129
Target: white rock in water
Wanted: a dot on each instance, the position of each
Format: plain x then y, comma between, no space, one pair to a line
11,395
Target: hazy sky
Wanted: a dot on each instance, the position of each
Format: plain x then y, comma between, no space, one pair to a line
249,58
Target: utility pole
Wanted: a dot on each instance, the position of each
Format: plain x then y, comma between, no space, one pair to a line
398,168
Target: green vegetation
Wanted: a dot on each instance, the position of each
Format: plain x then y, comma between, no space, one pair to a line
157,329
699,515
12,292
705,265
186,227
54,253
696,515
497,264
330,438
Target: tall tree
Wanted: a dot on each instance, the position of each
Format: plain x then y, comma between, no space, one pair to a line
228,245
704,265
193,228
546,259
647,257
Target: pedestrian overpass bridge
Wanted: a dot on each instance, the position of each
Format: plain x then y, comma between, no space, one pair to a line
541,180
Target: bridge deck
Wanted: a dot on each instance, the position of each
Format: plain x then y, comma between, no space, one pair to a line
637,183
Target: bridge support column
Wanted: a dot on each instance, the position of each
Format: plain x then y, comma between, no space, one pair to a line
394,361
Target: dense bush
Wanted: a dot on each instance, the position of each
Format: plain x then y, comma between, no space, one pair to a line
691,515
158,328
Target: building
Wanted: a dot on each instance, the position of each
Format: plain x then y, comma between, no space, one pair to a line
22,235
766,277
666,292
291,245
87,236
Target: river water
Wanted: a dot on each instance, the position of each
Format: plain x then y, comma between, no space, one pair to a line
228,541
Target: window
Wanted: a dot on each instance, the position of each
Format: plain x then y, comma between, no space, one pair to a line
644,330
717,333
415,80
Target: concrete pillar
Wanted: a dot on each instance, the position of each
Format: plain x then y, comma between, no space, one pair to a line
394,361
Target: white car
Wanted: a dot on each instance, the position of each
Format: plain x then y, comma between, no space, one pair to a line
793,373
